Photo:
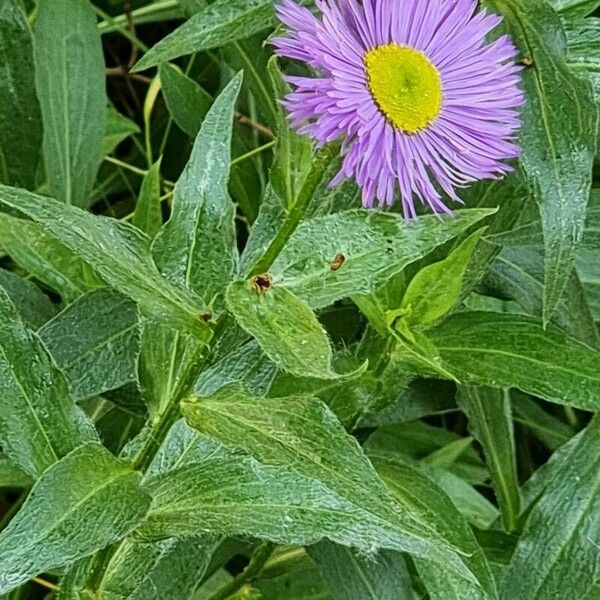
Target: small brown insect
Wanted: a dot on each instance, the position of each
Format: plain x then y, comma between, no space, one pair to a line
262,283
527,62
206,315
337,262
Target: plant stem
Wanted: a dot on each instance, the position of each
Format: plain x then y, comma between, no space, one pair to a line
252,153
257,561
321,164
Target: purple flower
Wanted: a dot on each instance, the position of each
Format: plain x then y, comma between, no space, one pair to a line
424,102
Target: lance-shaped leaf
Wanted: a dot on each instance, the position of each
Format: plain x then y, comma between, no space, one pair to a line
81,504
490,420
39,422
44,257
222,22
70,83
414,488
557,553
504,350
302,434
118,252
285,327
31,303
148,212
436,289
575,8
95,342
20,117
197,247
560,129
157,570
351,576
354,252
188,103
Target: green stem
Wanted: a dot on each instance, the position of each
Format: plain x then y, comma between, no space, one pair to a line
257,561
321,164
252,153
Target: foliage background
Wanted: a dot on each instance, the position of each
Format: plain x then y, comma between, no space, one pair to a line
221,379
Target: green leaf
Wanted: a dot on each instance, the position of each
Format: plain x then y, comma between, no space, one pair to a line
558,548
490,420
187,102
20,117
302,434
81,504
157,570
436,289
118,252
354,252
95,342
70,83
270,220
148,211
421,441
33,306
518,274
504,350
549,429
197,246
46,258
285,327
222,22
118,128
559,133
351,576
169,361
245,365
40,422
575,8
11,475
414,489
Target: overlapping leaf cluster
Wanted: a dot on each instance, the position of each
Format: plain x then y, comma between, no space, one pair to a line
249,364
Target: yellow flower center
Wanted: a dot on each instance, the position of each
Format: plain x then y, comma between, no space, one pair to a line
405,85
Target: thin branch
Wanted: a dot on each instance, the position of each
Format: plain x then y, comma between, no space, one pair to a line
248,122
47,584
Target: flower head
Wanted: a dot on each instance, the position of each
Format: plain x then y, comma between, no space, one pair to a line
425,104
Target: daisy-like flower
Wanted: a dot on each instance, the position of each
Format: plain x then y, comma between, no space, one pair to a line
425,104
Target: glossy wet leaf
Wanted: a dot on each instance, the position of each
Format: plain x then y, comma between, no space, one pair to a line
118,252
196,247
81,504
95,342
506,350
33,306
353,252
157,570
351,576
222,22
40,423
302,434
285,327
436,289
44,257
558,136
558,548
